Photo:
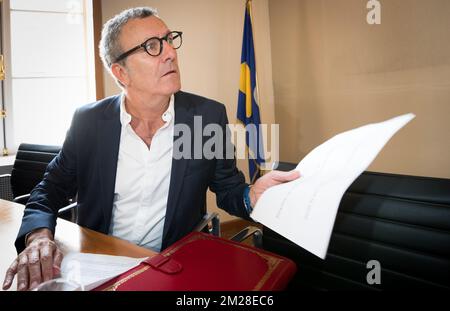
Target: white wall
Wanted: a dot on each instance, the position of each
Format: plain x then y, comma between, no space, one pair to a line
333,72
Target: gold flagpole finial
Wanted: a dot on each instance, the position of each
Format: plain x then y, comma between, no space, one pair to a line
2,68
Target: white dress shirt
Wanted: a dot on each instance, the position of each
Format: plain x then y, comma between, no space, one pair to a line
142,182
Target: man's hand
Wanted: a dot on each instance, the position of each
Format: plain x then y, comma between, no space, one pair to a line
40,261
268,180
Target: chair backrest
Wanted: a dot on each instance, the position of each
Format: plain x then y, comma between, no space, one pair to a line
30,165
5,187
401,221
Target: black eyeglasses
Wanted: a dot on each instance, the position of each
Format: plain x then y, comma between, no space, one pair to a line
154,45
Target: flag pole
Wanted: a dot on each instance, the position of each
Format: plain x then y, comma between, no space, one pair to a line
249,3
259,102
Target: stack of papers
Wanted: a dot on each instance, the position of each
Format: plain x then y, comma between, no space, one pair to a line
304,210
92,270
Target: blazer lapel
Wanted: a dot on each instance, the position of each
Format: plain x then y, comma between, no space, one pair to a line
183,115
108,140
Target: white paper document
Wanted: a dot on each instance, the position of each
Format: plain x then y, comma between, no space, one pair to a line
92,270
304,210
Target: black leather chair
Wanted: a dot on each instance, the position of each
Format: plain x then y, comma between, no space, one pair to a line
28,170
401,221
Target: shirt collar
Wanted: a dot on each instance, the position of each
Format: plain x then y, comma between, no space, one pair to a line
167,116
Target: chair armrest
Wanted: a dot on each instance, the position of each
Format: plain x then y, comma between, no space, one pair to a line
247,232
69,212
22,199
68,207
212,218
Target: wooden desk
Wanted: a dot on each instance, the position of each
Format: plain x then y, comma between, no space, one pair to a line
69,236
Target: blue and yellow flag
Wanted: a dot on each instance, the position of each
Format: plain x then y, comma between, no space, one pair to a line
248,110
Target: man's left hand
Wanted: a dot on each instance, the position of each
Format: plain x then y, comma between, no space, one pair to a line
268,180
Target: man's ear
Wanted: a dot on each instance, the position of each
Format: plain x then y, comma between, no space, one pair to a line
120,73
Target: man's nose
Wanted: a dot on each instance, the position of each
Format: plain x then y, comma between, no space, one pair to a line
168,52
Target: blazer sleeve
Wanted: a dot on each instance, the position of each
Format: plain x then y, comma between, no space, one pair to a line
228,182
52,193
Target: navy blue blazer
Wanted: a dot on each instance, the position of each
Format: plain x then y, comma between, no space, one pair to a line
87,166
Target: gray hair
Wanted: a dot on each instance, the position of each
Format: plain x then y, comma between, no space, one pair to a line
109,46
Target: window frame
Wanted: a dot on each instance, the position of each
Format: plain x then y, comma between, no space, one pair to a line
90,12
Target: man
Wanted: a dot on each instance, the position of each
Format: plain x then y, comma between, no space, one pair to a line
119,156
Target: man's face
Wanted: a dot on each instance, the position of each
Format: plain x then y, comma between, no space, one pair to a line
153,75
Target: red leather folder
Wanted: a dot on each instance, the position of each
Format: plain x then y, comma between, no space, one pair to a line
203,262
